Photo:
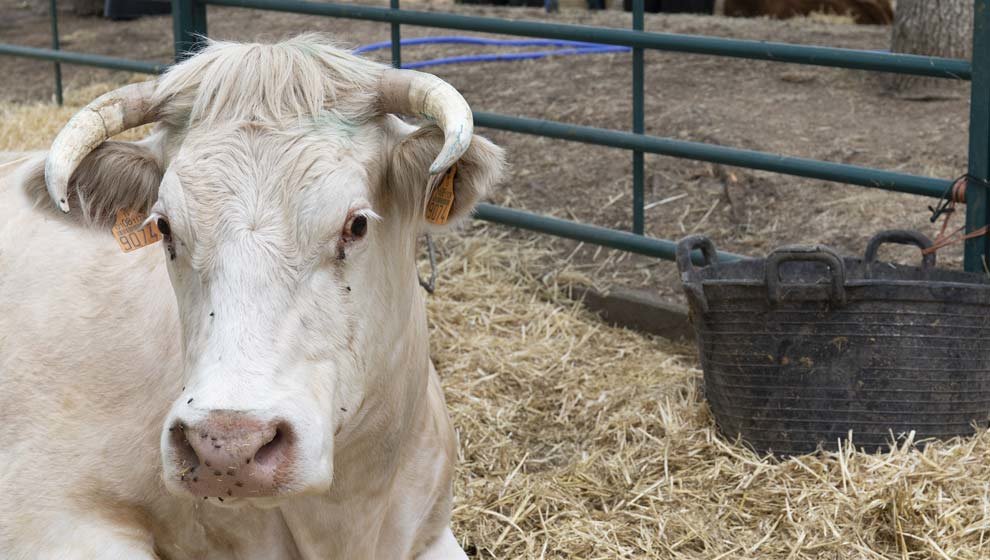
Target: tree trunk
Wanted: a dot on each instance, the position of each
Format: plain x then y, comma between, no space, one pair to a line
933,28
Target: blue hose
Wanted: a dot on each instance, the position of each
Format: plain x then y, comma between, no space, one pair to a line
510,56
479,41
571,48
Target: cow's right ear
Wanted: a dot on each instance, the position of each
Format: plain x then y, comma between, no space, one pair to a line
115,176
480,167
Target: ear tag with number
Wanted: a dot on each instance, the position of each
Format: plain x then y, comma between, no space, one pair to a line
441,199
132,233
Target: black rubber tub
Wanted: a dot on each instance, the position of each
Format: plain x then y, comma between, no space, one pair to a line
803,347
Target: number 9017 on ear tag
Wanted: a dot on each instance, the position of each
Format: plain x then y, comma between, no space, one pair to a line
441,199
132,233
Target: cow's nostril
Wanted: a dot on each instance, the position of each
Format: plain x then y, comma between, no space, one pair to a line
241,456
185,456
274,451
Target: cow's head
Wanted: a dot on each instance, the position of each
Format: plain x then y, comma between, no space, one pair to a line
290,200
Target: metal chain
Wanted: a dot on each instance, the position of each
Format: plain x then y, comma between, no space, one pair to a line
431,285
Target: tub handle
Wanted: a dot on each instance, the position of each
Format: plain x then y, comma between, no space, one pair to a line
901,237
815,253
690,278
687,246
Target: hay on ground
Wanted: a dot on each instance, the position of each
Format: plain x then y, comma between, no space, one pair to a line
579,440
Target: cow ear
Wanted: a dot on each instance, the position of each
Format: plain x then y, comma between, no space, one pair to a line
479,169
115,176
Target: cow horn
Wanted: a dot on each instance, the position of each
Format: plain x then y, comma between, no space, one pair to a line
416,93
112,113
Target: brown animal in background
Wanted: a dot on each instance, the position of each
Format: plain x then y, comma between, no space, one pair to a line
869,12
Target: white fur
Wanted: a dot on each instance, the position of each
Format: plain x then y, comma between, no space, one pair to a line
100,351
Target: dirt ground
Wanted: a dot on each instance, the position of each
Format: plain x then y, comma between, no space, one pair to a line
836,115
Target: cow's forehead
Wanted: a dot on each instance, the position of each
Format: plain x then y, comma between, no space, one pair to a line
252,161
273,147
296,184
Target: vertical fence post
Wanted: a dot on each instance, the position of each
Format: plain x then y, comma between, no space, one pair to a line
53,12
979,138
188,27
396,39
638,128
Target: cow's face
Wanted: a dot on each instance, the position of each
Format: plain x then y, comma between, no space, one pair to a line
281,269
291,201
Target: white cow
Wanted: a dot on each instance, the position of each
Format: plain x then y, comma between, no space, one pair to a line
258,384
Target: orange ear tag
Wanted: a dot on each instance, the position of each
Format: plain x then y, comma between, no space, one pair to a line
441,199
129,233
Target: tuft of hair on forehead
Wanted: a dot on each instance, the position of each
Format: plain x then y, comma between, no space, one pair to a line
301,78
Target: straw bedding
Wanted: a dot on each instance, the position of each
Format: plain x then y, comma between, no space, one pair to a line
580,440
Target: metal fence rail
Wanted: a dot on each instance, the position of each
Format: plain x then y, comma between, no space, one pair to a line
674,42
53,16
606,237
190,26
803,167
83,59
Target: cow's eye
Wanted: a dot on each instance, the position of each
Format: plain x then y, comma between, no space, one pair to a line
356,228
164,228
359,226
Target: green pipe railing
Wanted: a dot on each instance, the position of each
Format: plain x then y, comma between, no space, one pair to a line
802,167
190,29
83,59
396,38
53,16
739,48
977,210
615,239
638,125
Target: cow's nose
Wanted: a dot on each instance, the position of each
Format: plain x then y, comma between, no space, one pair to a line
231,454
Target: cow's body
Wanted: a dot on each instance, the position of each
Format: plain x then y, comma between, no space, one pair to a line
94,360
869,12
88,377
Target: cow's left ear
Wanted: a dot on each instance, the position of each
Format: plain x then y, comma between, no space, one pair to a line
479,169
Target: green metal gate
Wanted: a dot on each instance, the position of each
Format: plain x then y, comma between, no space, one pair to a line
190,26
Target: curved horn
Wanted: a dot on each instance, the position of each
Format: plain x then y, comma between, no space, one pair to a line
107,115
416,93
